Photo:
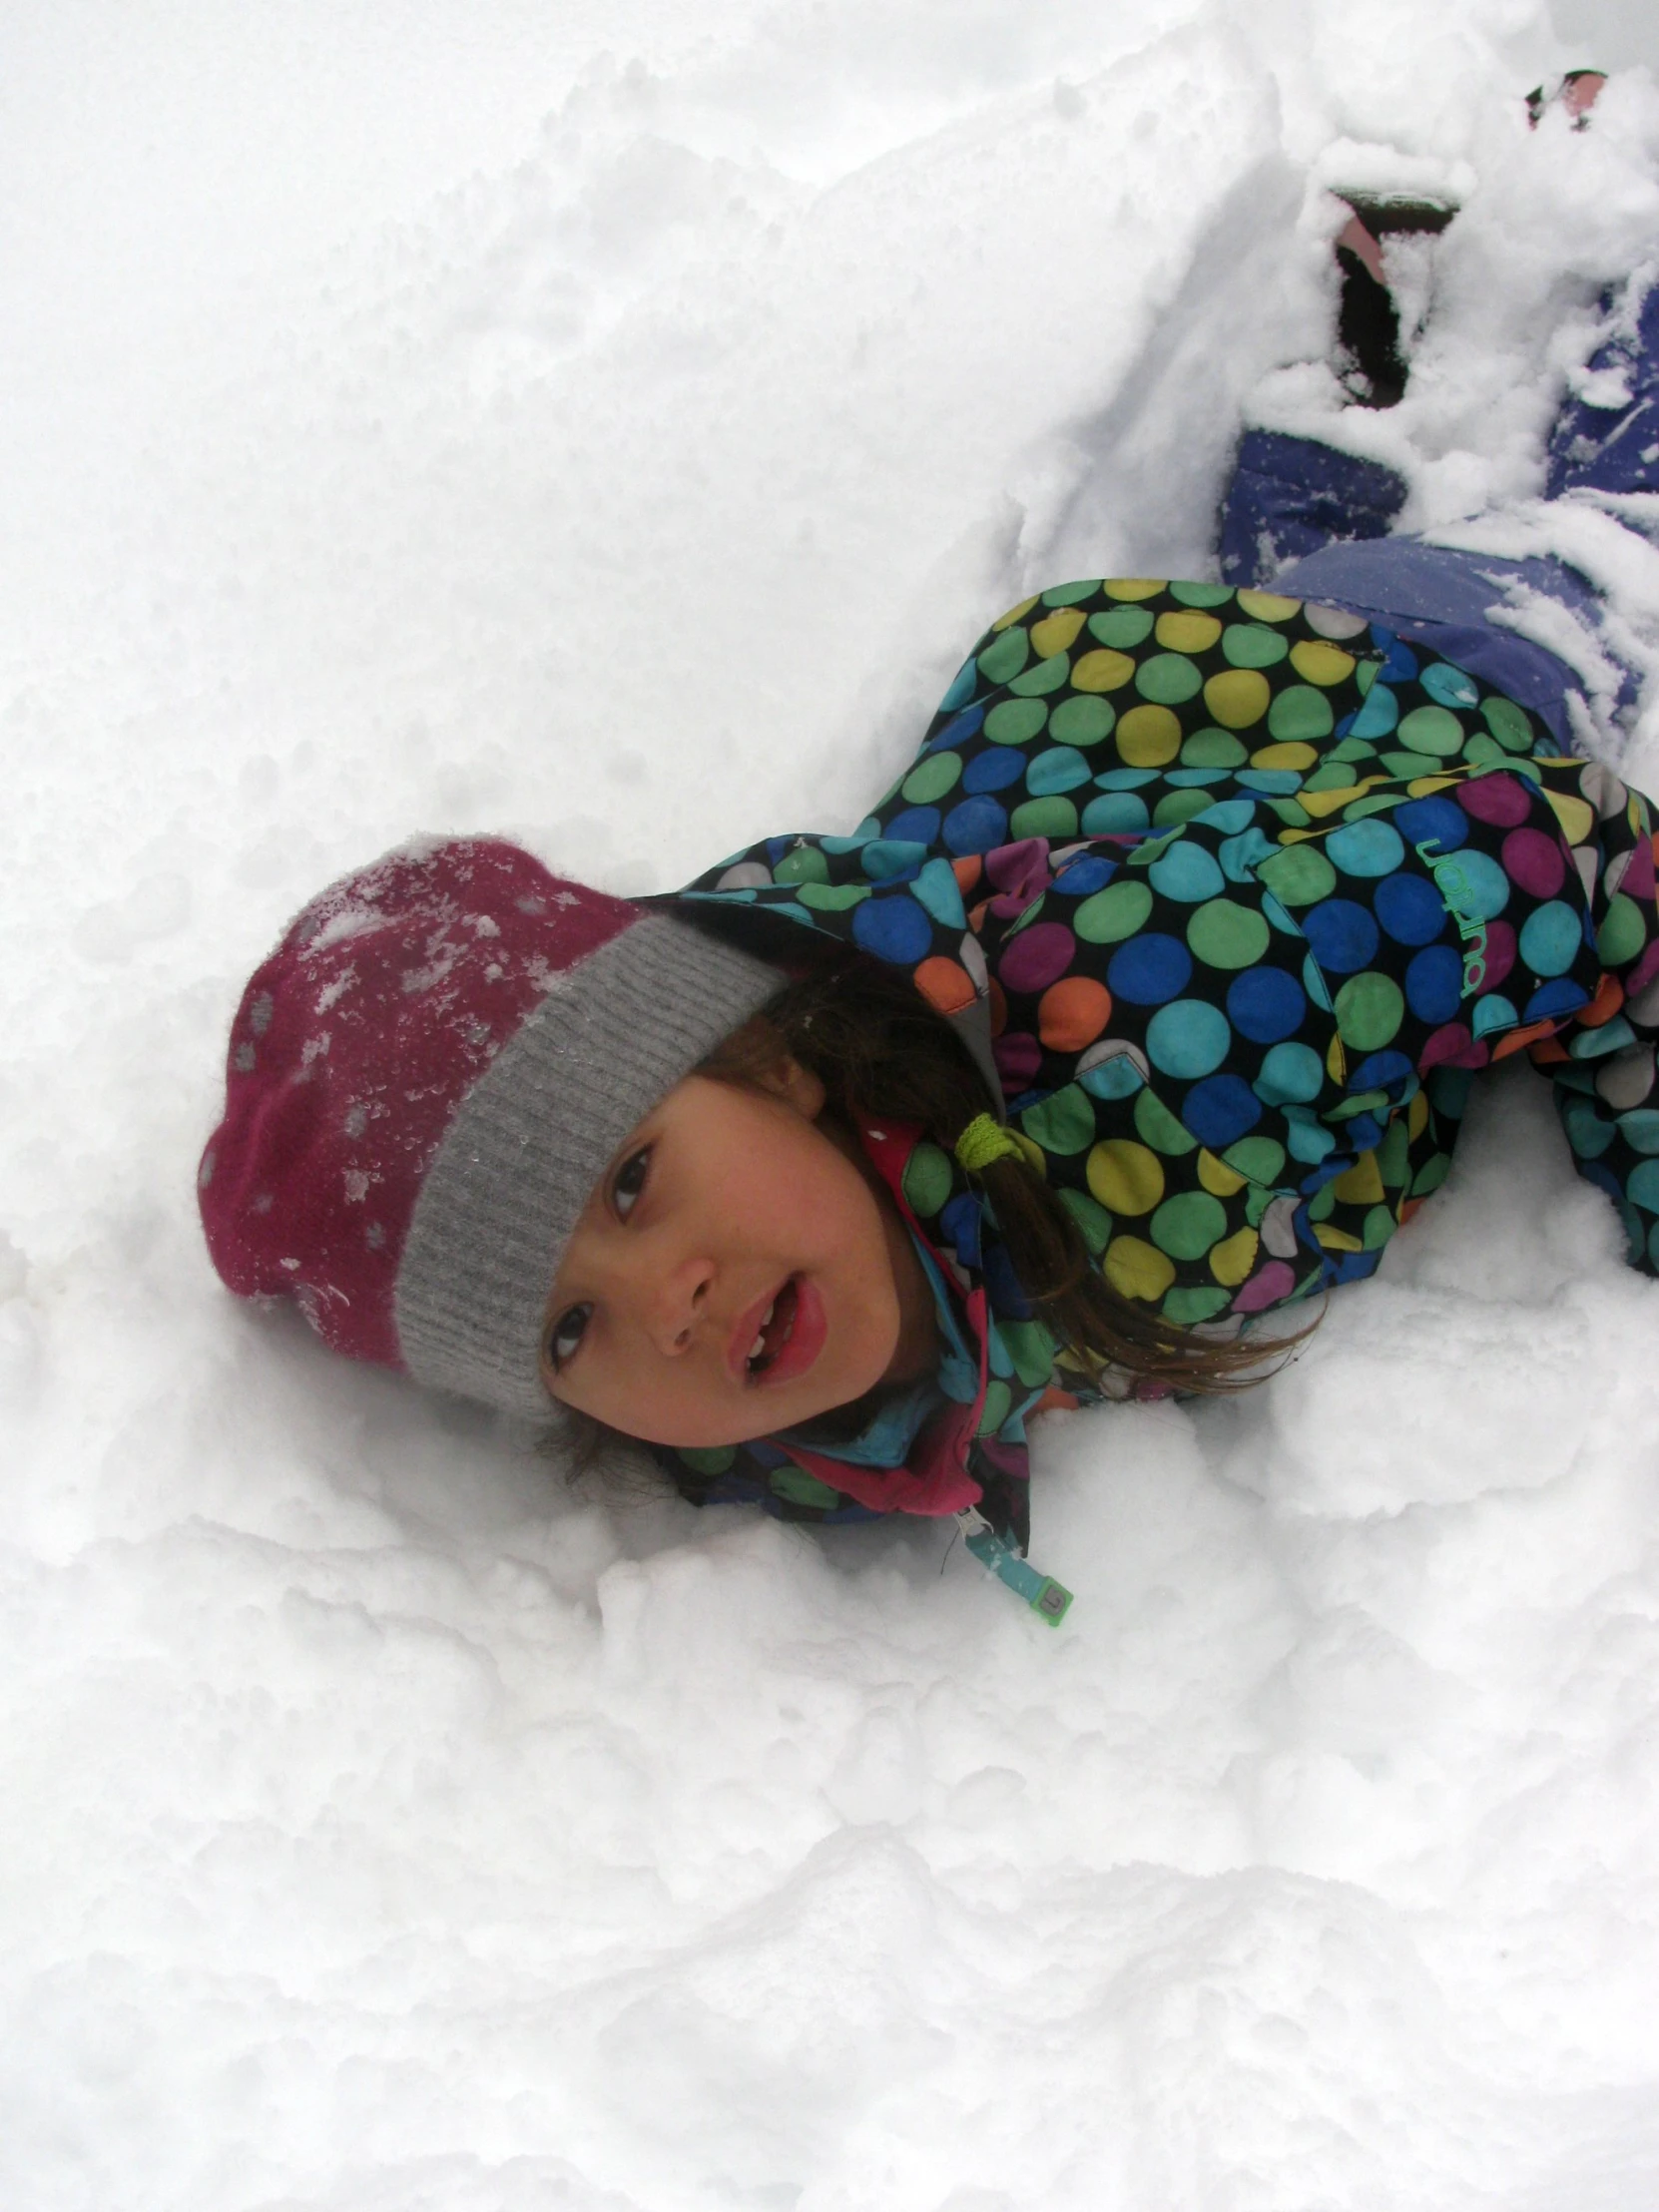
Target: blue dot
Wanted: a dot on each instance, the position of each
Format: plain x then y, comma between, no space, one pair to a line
1409,908
1550,937
993,769
1148,970
1640,1129
1561,995
1189,1038
894,927
1434,985
1342,935
1449,685
1186,872
1291,1075
959,1221
1081,877
1002,1285
1364,1132
1265,1004
1113,815
1368,847
976,825
920,824
1421,821
1220,1110
1061,769
1382,1072
1401,667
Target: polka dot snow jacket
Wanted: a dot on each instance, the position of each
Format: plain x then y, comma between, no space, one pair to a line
1234,895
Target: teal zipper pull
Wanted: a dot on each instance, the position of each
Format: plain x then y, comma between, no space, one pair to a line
1048,1599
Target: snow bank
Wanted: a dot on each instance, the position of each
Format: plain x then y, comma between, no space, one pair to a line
388,1825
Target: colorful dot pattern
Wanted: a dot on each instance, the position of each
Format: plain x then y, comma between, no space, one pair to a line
1240,891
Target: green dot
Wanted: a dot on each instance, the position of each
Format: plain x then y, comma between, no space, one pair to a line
1227,936
801,1488
1108,916
1062,1123
1122,628
715,1460
932,778
1031,1349
1297,875
1354,748
1187,1306
1178,806
1187,1226
1507,722
1432,730
1301,713
998,1399
1374,803
1369,1009
1201,595
1046,677
1621,936
1156,1126
803,864
832,898
1070,595
1213,749
1015,721
1393,1153
1168,678
1044,818
1093,1222
1261,1157
1003,661
1290,813
1084,720
1379,1225
1329,776
1431,1175
928,1179
1252,645
1483,750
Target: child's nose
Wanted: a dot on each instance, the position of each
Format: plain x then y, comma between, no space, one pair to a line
677,1304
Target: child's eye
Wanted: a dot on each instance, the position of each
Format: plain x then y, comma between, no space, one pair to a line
565,1336
630,1182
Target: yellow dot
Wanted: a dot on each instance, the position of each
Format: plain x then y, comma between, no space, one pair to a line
1232,1260
1187,632
1134,587
1416,1116
1335,1061
1055,632
1237,697
1148,737
1420,785
1576,817
1336,1240
1328,803
1127,1178
1317,663
1102,671
1284,755
1266,606
1032,1150
1361,1184
1217,1175
1014,614
1135,1269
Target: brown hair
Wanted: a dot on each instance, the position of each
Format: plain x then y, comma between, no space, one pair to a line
879,1050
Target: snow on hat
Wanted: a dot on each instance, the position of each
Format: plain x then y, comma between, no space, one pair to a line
425,1081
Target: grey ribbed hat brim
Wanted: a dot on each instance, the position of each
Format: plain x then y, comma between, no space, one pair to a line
532,1137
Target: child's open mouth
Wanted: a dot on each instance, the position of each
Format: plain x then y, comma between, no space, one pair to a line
787,1333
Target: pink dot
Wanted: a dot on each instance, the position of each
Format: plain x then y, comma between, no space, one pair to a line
1021,867
1502,800
1500,955
1018,1057
1451,1046
1638,875
1642,975
1266,1287
1037,957
1534,859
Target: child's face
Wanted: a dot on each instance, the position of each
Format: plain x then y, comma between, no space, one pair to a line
735,1217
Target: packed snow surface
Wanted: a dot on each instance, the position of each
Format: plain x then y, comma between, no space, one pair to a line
607,425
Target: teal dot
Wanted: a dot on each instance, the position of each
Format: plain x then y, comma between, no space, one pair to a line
1252,645
1015,721
1291,1075
1640,1129
1379,715
1168,678
1060,770
1122,628
1643,1186
1366,847
1187,873
1550,937
1084,720
1115,814
1449,685
1493,1012
1188,1039
1187,1226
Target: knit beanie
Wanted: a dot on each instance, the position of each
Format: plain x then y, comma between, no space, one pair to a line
425,1081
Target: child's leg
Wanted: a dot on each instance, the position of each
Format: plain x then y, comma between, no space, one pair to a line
1292,496
1610,443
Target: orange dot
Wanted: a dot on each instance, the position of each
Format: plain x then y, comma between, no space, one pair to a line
946,986
1525,1034
999,1009
966,872
1072,1013
1608,999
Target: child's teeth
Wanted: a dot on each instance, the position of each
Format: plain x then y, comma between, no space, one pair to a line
757,1347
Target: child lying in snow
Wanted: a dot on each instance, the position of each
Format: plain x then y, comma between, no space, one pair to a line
1144,1004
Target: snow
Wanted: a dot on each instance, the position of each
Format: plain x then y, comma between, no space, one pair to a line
607,425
